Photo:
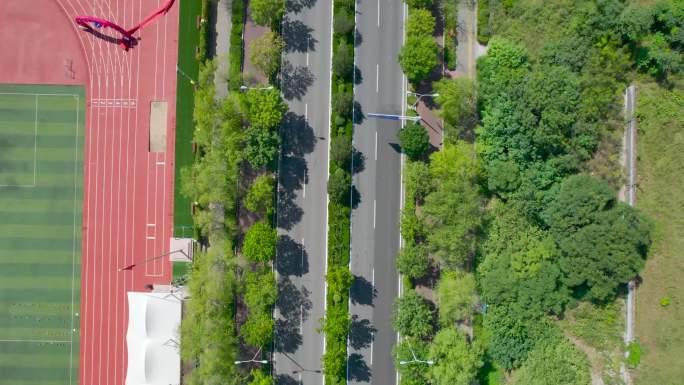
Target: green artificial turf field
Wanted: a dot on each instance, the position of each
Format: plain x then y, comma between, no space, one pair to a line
41,189
188,39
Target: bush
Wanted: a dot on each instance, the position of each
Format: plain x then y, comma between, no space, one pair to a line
235,57
418,3
261,148
420,23
260,290
342,103
259,198
414,140
412,316
483,28
260,242
341,151
264,108
418,57
267,12
258,329
417,180
343,22
633,355
413,260
343,60
339,186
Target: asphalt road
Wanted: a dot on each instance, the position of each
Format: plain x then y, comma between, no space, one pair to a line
302,197
375,221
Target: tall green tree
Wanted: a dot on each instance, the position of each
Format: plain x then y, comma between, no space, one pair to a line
417,180
258,329
265,53
264,108
408,349
266,12
458,104
259,377
259,198
413,260
418,57
260,290
456,362
456,296
412,316
555,362
420,23
261,147
259,244
343,60
414,140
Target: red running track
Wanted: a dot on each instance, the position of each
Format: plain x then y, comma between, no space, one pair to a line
128,191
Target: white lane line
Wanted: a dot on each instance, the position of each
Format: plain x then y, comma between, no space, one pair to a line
376,145
373,277
377,78
308,41
374,213
378,13
302,253
306,112
301,319
371,358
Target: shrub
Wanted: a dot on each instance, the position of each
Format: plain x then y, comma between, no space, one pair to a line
418,3
259,198
420,23
258,329
343,60
339,186
341,151
633,355
265,53
414,140
413,260
267,12
418,57
412,316
343,23
260,242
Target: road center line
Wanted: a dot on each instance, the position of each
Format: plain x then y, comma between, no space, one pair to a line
374,213
302,253
377,78
376,145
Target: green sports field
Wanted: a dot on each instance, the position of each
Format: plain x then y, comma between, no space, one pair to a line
41,181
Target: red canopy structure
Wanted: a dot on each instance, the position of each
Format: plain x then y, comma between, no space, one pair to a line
127,40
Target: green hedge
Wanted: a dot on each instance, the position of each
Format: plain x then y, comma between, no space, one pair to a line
336,324
205,13
483,30
236,51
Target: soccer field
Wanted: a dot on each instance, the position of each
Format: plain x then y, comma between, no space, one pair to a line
41,190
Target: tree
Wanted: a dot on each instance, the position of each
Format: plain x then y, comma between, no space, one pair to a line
343,23
258,329
341,151
266,12
451,212
339,281
259,377
603,243
413,260
419,3
265,53
343,101
408,349
456,362
555,362
265,108
420,23
412,316
260,290
418,57
261,148
343,60
339,185
259,244
456,296
259,198
417,180
414,140
458,104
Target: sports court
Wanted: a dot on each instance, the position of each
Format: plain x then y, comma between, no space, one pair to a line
41,180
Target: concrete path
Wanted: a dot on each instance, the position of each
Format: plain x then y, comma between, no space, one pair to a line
222,46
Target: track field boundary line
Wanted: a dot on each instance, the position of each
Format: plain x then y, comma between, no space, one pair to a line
37,94
73,242
37,341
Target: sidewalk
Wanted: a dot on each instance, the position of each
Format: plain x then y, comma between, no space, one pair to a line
222,46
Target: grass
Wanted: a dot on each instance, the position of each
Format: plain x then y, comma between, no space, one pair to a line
188,41
40,232
660,194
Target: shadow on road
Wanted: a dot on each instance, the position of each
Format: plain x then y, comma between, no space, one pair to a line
297,6
293,306
362,292
292,258
296,81
297,36
284,379
360,333
358,369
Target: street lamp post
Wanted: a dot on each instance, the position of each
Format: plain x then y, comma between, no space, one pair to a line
180,71
253,359
245,88
419,96
415,360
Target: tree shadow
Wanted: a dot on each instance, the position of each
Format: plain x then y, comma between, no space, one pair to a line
358,38
361,333
285,379
292,175
358,76
293,306
358,161
292,257
298,136
297,6
362,292
296,81
396,147
355,197
358,369
358,116
297,36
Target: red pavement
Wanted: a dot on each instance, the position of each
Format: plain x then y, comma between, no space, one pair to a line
128,191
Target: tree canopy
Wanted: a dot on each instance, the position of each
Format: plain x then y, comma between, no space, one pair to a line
412,316
456,296
456,362
259,198
414,140
420,23
458,104
265,53
266,12
555,362
259,244
264,108
418,57
339,185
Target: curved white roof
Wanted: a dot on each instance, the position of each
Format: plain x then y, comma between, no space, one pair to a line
152,339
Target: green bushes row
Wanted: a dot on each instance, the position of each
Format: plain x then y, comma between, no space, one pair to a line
336,322
483,30
235,55
202,47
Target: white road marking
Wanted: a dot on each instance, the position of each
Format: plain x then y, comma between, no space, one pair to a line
160,163
378,13
302,252
374,213
377,78
149,237
376,145
373,277
371,358
306,112
301,319
150,224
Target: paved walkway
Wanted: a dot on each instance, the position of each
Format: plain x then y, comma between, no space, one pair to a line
222,46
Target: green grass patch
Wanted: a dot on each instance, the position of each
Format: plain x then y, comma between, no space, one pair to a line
188,45
41,192
660,194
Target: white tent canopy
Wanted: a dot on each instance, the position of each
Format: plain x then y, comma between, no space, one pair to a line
152,339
